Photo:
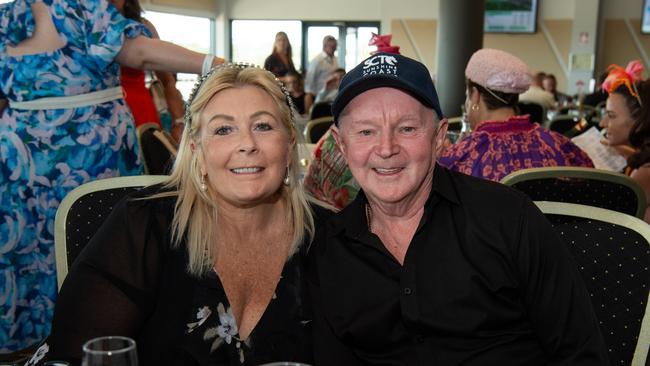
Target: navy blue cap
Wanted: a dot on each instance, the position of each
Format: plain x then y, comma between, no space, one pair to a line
387,70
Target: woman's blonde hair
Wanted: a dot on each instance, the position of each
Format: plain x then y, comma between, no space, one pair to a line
195,215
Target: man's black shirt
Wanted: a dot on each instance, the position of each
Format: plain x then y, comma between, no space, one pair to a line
485,281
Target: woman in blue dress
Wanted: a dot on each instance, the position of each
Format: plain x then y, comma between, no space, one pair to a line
66,124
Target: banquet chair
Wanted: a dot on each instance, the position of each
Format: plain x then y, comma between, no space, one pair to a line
536,111
316,128
321,109
612,252
158,150
563,123
83,211
586,186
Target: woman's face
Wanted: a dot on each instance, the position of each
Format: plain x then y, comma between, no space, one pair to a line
281,43
119,5
618,120
244,148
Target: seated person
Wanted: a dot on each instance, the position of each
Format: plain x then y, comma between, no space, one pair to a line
432,267
294,83
328,177
331,88
501,141
599,95
627,121
537,94
550,85
205,269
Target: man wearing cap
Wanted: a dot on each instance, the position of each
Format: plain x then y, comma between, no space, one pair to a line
432,267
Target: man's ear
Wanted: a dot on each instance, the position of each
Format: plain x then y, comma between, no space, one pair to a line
336,133
441,135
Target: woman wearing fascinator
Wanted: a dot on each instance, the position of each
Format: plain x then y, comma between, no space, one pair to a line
205,269
627,121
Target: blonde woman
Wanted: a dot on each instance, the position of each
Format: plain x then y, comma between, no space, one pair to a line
206,269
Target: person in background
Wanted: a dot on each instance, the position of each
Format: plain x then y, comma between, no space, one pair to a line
331,88
599,95
432,267
501,141
137,96
294,83
66,124
207,268
550,85
320,68
537,94
280,60
627,121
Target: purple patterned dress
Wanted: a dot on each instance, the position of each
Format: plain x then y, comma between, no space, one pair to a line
497,148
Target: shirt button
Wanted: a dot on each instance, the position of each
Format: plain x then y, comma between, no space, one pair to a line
419,339
407,291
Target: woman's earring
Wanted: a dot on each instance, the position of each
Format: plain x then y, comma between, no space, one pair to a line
474,107
287,180
204,187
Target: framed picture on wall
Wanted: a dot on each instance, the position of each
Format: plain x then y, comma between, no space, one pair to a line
645,20
511,16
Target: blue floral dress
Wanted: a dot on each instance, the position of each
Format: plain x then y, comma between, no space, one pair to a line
46,153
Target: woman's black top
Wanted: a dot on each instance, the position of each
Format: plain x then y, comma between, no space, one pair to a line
274,64
129,281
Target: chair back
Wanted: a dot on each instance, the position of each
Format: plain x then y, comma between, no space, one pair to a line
563,123
157,150
536,111
586,186
316,128
612,251
321,109
83,211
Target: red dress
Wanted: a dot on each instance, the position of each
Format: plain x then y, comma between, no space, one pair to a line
137,96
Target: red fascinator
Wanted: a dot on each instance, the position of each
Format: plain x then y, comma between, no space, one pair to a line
624,76
383,43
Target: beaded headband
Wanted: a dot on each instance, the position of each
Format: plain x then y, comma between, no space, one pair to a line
240,66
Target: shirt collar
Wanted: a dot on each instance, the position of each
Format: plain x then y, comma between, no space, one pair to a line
352,219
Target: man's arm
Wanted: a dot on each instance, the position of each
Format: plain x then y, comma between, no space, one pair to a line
555,296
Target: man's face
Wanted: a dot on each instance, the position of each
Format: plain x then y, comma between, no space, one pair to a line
330,47
390,142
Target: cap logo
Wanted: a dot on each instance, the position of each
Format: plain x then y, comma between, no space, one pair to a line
380,64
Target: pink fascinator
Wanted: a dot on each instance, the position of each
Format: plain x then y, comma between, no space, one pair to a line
383,43
624,76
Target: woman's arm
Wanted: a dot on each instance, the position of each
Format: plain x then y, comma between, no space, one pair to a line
154,54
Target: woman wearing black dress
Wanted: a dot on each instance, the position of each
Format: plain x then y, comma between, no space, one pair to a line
207,268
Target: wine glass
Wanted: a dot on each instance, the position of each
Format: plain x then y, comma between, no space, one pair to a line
110,351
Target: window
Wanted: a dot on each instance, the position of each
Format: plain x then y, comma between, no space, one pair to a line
190,32
351,51
252,40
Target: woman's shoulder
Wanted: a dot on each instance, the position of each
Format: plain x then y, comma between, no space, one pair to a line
642,176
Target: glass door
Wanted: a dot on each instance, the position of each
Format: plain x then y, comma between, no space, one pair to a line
350,51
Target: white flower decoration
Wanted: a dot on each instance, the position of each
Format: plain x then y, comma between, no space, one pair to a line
226,330
40,353
202,315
